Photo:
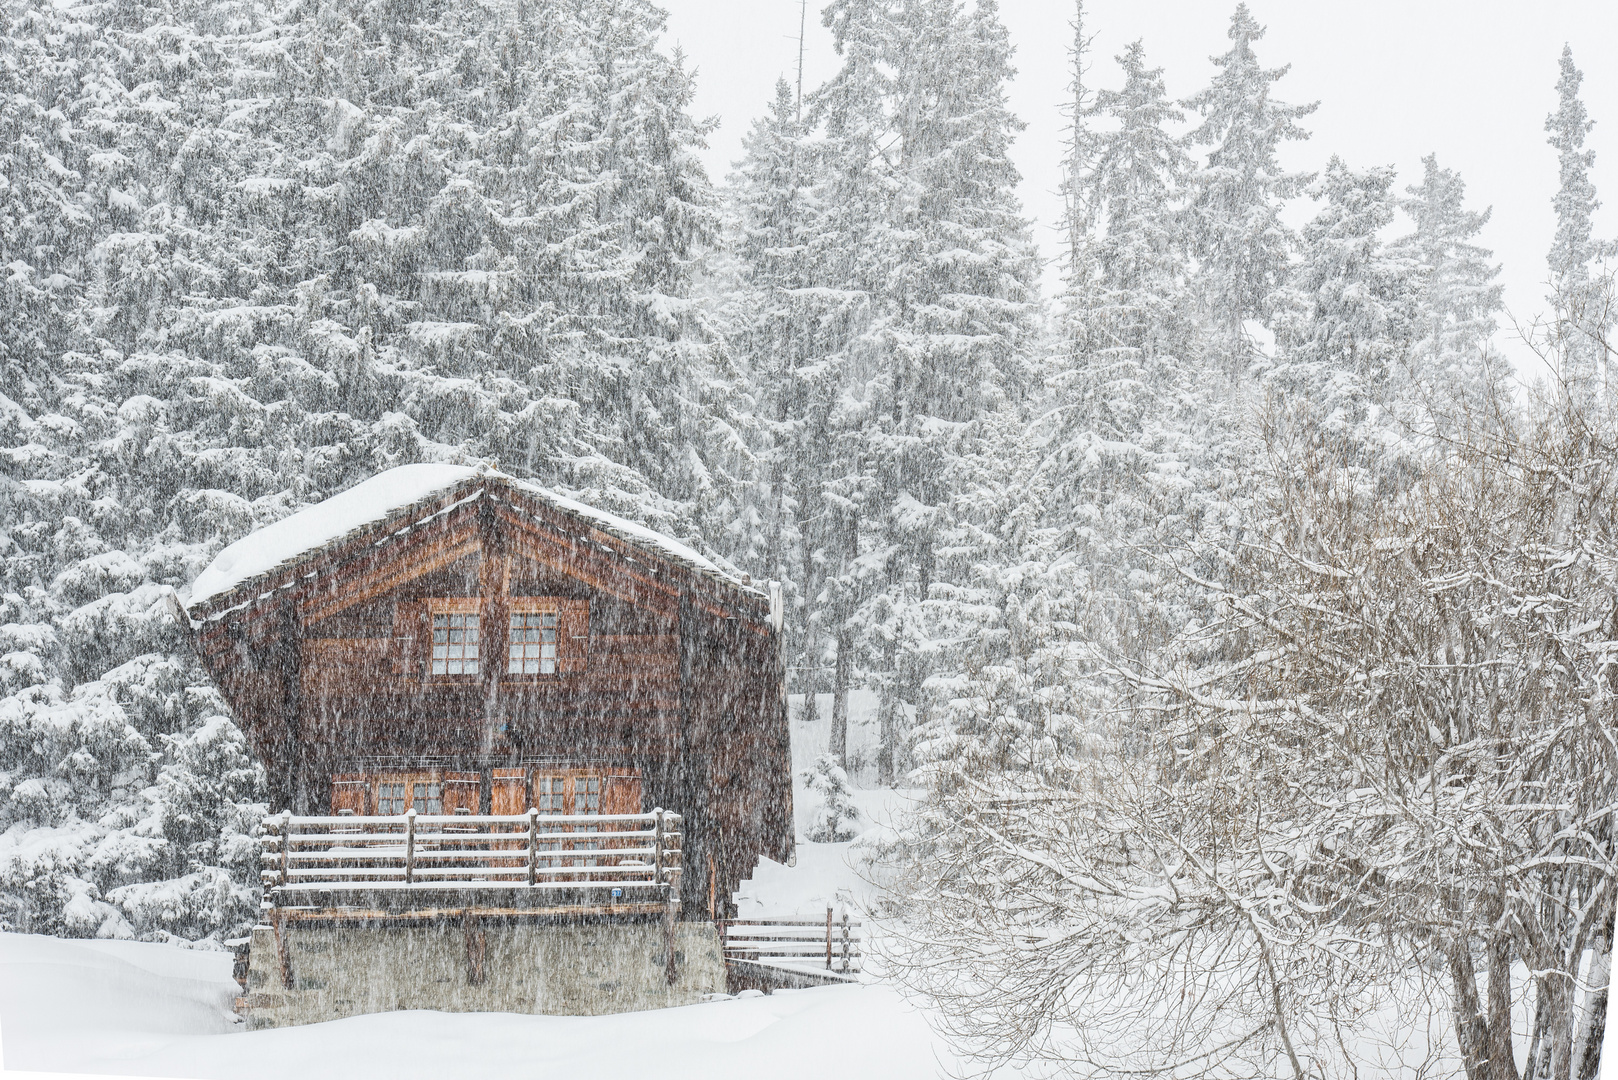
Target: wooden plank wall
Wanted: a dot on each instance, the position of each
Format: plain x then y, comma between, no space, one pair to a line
673,686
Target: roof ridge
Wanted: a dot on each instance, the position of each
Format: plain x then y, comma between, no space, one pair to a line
281,547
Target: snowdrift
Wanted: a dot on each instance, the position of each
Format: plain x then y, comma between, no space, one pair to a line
156,1010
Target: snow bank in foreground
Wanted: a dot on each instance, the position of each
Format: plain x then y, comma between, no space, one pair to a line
156,1010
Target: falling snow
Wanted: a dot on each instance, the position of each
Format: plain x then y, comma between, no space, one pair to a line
1172,674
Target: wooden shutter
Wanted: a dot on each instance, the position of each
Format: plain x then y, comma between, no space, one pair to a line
462,791
411,638
621,793
350,793
572,636
509,792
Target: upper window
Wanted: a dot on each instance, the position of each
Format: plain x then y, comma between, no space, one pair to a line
533,643
547,635
455,643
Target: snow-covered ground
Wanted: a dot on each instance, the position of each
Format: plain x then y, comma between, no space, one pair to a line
131,1009
100,1007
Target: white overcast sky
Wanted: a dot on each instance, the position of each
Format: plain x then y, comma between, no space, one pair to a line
1471,80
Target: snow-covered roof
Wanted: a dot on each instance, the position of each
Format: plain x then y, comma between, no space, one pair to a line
386,494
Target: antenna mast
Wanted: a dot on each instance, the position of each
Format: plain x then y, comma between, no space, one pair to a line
803,20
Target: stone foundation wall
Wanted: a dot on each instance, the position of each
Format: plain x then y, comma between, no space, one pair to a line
559,968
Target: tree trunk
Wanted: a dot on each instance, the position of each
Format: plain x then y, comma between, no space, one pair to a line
1553,1021
1592,1030
887,754
1498,1049
838,745
1593,1017
1471,1028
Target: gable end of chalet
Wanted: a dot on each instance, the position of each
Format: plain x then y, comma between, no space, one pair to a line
493,647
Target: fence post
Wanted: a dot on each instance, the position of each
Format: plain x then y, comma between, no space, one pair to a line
845,941
670,972
283,950
657,847
533,845
828,937
286,849
410,846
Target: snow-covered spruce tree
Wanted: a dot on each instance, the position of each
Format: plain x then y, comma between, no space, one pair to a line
107,729
1581,314
833,817
789,329
919,192
1234,214
439,231
511,263
1455,302
1137,330
1069,506
1344,322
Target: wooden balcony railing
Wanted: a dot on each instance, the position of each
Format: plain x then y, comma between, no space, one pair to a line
525,861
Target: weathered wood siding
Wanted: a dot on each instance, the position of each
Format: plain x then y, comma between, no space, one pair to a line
660,677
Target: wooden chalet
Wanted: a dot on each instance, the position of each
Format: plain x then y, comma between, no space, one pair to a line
456,680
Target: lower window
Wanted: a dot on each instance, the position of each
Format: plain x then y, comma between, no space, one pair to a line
392,793
425,797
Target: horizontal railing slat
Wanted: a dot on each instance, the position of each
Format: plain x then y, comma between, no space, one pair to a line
280,822
463,855
821,923
396,840
519,886
625,873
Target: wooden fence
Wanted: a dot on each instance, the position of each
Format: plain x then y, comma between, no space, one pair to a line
595,859
830,945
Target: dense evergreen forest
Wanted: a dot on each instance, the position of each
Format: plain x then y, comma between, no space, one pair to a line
1240,620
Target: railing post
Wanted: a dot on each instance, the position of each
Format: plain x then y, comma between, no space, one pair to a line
533,845
283,950
671,971
286,849
657,847
410,846
828,937
845,941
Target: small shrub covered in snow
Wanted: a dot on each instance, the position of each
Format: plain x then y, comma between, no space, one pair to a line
835,819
